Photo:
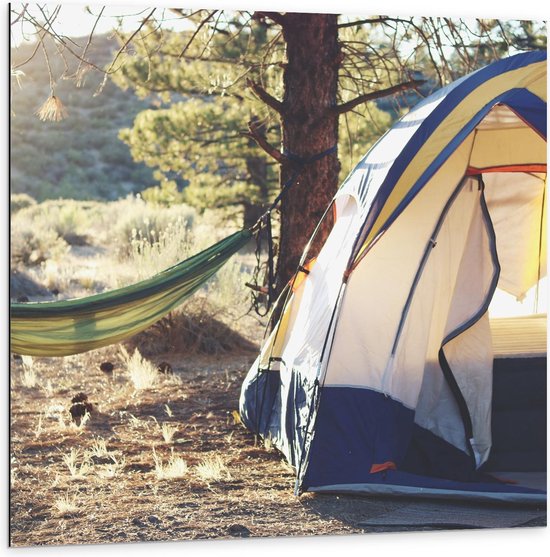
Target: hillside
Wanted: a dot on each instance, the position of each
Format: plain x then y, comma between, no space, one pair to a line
81,156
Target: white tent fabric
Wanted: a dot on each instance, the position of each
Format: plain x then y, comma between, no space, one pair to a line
372,357
385,349
377,293
516,203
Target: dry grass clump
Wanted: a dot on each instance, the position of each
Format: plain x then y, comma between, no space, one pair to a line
28,373
168,431
142,373
150,233
111,470
38,429
98,448
174,468
212,469
78,470
96,460
66,505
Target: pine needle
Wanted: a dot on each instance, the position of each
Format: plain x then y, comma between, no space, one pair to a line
52,110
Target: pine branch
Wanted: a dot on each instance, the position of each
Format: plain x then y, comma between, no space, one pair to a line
264,96
260,139
350,105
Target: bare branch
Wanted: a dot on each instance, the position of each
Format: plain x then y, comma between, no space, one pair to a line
59,39
264,96
48,66
255,134
33,54
121,50
197,30
20,15
381,19
276,17
346,107
78,72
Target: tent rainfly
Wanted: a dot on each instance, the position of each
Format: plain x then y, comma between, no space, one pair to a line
382,374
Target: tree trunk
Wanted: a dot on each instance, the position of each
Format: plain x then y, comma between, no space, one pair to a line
309,127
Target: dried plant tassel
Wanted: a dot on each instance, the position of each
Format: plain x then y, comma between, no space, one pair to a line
52,110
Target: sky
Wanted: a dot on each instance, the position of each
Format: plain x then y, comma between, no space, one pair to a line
78,19
74,20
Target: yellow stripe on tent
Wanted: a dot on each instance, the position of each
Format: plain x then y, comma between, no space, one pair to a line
532,77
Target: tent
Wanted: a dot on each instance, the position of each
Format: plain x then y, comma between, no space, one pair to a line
385,373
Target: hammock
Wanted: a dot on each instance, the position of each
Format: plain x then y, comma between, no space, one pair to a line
73,326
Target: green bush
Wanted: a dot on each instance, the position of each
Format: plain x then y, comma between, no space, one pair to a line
166,194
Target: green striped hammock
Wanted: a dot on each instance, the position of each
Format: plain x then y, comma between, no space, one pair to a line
73,326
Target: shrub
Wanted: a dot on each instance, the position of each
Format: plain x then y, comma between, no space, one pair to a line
34,241
19,201
146,230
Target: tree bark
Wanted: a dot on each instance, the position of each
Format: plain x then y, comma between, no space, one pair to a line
309,126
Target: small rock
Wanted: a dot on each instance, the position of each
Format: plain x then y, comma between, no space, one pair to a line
106,367
102,459
79,409
154,519
239,531
137,522
166,368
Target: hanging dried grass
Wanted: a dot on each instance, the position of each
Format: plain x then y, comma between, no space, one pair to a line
52,110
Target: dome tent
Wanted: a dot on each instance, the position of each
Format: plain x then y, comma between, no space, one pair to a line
381,374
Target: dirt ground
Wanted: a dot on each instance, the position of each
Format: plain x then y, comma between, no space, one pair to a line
98,482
